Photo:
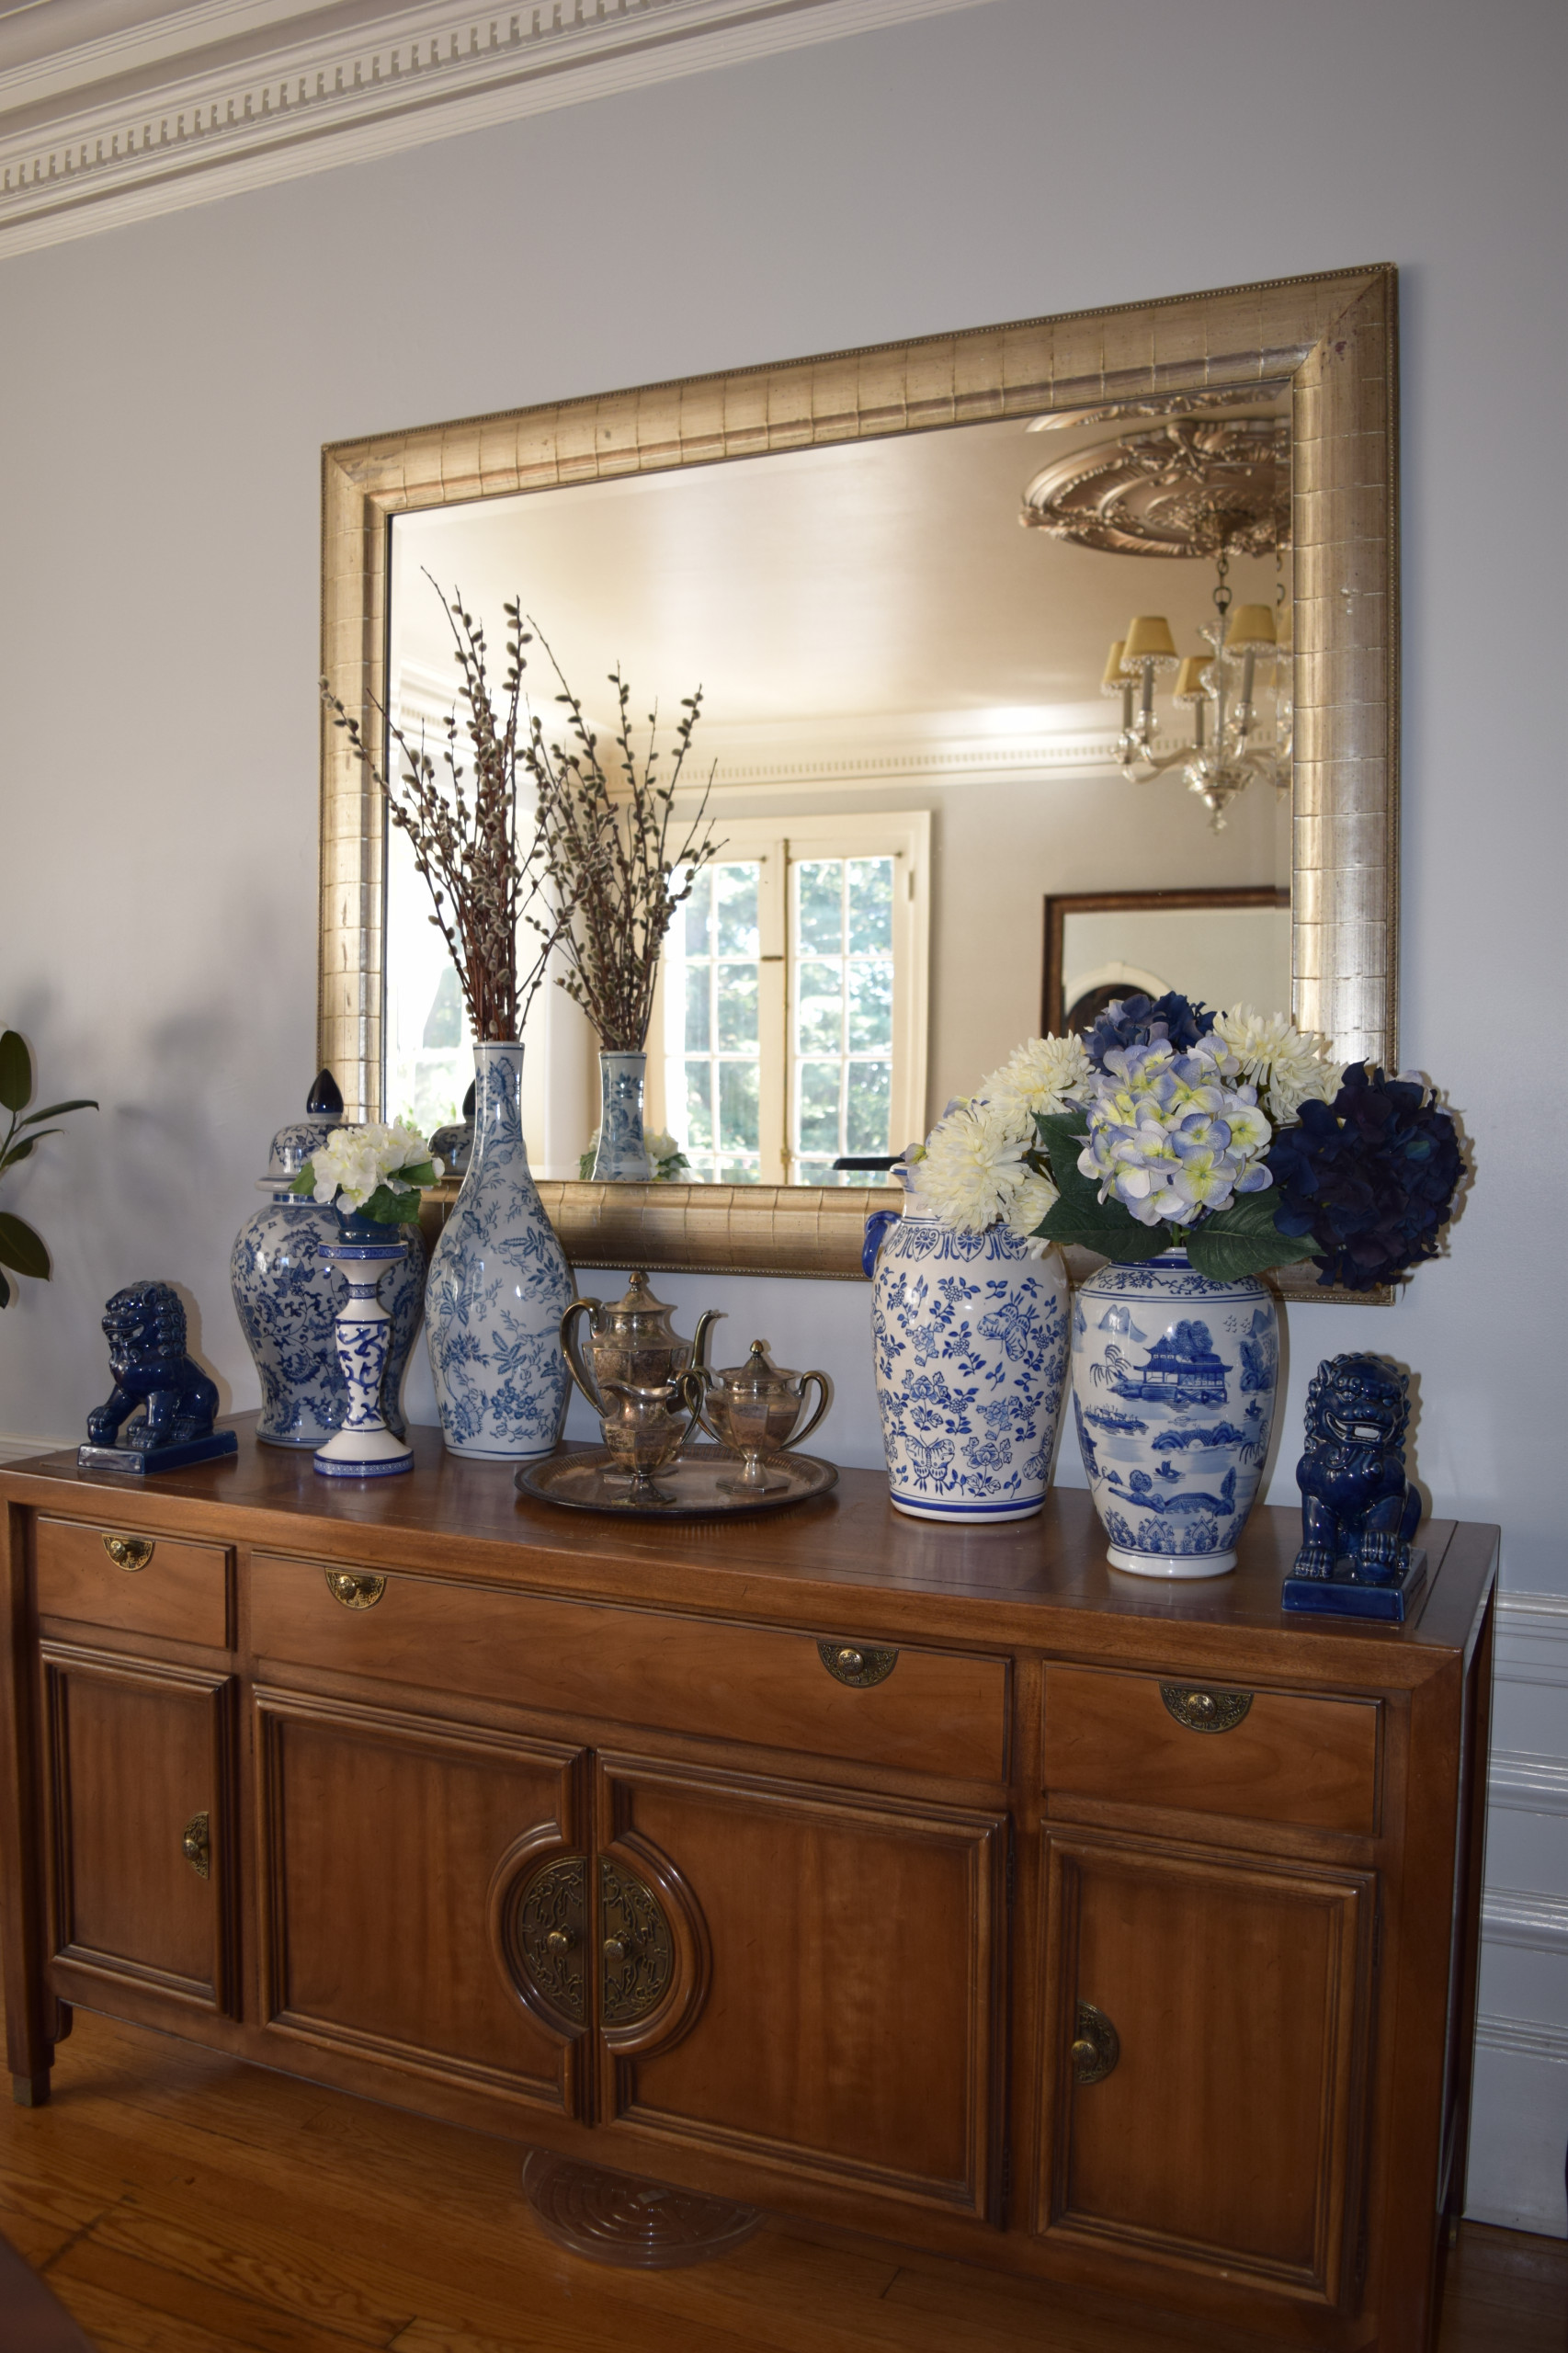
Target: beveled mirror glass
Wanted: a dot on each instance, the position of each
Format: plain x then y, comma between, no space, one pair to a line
874,489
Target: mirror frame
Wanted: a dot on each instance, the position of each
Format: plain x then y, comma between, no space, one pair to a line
1330,337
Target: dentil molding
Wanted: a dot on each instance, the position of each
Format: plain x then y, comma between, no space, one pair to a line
179,105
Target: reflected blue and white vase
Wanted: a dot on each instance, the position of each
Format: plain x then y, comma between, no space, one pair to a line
288,1297
970,1340
1174,1381
621,1154
499,1285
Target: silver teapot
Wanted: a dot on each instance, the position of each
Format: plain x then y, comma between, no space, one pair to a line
629,1340
754,1409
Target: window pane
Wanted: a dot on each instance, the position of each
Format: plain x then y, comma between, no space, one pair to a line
745,1171
865,1122
871,906
700,1104
695,915
698,1022
737,1006
737,911
819,1021
739,1112
871,1006
819,1107
823,1172
821,888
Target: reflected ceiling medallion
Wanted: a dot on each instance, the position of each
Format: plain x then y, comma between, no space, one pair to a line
1192,487
1198,486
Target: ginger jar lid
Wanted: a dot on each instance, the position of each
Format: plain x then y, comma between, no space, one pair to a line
296,1143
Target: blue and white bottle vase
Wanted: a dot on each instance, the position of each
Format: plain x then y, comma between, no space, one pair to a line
499,1285
970,1339
364,1447
1173,1383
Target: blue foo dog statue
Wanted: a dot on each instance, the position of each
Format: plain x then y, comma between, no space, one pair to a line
1359,1510
159,1415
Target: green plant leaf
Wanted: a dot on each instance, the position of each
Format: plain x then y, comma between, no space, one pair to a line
1104,1226
57,1110
21,1151
1244,1240
22,1248
389,1206
4,1292
16,1071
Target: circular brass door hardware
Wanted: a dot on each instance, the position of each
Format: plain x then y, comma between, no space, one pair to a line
130,1553
857,1664
1202,1710
195,1845
355,1592
1096,2046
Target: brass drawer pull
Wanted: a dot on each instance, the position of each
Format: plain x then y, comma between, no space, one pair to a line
355,1592
1096,2046
195,1845
857,1664
130,1553
1205,1710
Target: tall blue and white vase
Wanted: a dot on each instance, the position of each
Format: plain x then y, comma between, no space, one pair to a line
288,1297
970,1339
499,1285
1174,1381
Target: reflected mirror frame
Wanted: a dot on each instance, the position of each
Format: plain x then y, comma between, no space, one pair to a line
1331,339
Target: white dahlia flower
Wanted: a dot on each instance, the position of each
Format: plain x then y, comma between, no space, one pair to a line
1039,1075
973,1166
1288,1066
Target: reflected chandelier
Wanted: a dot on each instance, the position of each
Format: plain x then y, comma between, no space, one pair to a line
1195,486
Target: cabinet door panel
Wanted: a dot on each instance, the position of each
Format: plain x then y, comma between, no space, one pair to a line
390,1847
847,2024
140,1765
1229,2126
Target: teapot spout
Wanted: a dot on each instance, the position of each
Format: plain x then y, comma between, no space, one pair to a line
705,1323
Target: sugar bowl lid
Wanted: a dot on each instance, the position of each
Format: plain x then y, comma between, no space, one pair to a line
758,1375
296,1143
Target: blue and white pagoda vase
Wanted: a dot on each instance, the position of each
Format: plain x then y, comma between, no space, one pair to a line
288,1297
1174,1381
499,1285
970,1339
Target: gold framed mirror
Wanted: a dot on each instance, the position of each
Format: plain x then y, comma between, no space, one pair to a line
1326,342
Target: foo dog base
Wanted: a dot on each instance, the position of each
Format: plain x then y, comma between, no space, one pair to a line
141,1462
612,2218
1345,1596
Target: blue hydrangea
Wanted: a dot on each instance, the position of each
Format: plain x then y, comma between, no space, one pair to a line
1145,1021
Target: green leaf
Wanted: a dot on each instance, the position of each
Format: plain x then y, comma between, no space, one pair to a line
1244,1240
1104,1226
4,1292
16,1071
22,1248
389,1206
57,1110
21,1151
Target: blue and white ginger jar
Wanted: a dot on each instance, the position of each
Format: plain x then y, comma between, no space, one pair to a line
499,1285
970,1339
288,1297
1174,1381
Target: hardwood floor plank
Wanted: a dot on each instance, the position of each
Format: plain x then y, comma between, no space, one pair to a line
235,2320
262,2260
117,2324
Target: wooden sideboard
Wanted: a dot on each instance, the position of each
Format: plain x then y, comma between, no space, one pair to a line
938,1883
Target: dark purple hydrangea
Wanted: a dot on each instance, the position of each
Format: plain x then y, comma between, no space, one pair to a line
1372,1177
1139,1020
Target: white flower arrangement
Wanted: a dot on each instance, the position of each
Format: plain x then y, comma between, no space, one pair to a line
981,1164
374,1171
663,1153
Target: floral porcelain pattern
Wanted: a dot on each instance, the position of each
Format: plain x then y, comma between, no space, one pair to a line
622,1155
970,1340
499,1285
288,1298
1174,1379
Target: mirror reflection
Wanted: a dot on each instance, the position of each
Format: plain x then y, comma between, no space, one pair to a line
945,708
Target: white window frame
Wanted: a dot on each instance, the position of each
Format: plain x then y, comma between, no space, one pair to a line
775,844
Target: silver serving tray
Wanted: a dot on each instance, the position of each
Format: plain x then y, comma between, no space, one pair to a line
583,1480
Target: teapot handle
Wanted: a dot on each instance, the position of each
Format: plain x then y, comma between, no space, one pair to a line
571,1348
799,1435
694,1388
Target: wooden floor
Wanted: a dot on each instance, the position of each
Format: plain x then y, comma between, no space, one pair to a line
178,2202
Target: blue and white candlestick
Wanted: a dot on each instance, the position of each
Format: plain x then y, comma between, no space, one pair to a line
364,1447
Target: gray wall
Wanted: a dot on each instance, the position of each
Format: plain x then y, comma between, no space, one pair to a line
165,389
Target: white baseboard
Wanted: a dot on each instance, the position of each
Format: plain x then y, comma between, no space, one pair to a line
15,1448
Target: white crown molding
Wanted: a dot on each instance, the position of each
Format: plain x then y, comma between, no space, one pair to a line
1532,1639
253,98
1529,2038
1522,1783
1518,1915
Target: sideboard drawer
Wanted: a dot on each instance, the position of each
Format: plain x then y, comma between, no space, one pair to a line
104,1575
1200,1745
933,1711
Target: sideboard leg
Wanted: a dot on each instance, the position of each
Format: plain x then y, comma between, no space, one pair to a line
30,2005
30,2091
613,2218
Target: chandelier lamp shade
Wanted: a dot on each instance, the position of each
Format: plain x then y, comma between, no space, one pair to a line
1234,740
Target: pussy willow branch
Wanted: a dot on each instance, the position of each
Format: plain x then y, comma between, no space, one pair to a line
485,883
612,860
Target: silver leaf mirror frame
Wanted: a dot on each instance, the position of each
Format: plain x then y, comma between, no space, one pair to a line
1331,338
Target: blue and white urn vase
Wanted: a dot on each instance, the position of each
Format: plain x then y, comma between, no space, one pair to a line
970,1339
1174,1381
499,1285
288,1297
